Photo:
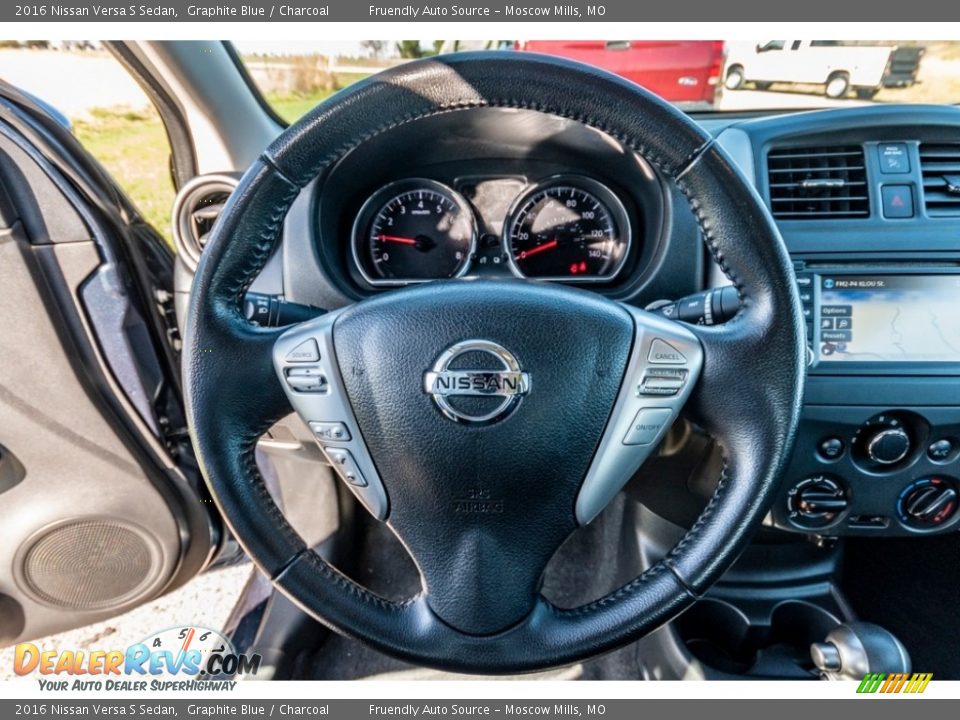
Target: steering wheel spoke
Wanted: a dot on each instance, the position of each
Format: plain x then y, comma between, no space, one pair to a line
663,369
306,364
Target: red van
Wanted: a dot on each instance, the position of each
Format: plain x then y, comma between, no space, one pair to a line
685,72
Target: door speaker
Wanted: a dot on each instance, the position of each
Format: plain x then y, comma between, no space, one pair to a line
90,564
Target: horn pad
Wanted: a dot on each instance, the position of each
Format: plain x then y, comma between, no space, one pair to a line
483,474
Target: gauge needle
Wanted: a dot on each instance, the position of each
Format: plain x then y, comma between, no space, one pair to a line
398,239
540,248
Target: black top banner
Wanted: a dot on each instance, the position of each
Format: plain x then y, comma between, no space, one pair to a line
477,11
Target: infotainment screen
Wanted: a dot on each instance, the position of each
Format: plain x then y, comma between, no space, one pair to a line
889,318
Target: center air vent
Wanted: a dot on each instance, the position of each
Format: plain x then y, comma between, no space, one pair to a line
940,165
196,209
818,182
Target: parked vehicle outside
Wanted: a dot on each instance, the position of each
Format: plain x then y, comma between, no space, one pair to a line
685,72
838,68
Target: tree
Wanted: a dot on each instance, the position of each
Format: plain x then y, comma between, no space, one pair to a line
374,47
409,49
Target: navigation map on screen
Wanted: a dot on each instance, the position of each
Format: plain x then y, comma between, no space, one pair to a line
884,318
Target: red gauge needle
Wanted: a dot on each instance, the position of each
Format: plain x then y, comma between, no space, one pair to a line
540,248
397,239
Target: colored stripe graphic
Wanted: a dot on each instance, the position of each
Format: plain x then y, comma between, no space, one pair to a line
871,682
894,683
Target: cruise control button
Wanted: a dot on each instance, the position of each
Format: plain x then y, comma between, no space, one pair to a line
306,379
345,466
662,381
647,425
330,431
307,351
663,353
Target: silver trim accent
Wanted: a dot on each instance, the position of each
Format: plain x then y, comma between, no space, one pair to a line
879,437
331,406
377,201
510,383
186,203
818,183
589,186
616,462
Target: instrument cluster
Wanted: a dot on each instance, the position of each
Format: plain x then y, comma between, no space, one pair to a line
563,228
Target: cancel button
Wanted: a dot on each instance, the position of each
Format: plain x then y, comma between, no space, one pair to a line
647,425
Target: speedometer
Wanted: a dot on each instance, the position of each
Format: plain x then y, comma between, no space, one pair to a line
412,231
570,229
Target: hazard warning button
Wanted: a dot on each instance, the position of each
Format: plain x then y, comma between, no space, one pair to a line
897,201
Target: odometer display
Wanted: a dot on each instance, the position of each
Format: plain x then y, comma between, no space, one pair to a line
568,229
413,231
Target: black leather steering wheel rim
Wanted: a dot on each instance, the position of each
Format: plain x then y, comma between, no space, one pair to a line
748,396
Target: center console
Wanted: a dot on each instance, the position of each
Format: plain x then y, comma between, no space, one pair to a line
868,203
879,439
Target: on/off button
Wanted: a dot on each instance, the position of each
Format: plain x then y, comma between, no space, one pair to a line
647,425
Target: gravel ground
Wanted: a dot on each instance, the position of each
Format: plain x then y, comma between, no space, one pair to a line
206,600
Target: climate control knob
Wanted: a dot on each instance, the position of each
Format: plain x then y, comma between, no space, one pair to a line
888,447
927,503
816,502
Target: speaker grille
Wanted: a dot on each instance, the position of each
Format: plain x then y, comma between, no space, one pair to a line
88,565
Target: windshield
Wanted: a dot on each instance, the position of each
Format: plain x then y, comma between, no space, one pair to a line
703,75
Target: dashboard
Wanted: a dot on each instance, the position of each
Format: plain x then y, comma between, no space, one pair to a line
868,205
867,200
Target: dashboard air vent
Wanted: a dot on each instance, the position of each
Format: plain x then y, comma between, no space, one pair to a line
818,183
940,165
196,209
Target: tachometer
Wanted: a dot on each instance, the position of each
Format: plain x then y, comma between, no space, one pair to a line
570,229
414,230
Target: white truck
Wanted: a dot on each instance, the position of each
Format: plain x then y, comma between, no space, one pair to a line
838,68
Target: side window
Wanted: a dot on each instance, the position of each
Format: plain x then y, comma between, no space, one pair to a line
771,45
796,44
109,114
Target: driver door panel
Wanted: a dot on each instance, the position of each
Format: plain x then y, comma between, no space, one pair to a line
97,517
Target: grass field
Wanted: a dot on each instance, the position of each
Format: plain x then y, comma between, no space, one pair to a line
133,146
134,149
292,106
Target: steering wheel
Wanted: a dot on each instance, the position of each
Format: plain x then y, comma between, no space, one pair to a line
484,421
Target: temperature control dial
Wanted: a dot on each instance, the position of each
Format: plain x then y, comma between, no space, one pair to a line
816,502
927,503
